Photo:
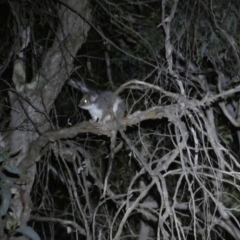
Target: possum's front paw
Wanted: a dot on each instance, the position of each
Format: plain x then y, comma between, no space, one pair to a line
93,120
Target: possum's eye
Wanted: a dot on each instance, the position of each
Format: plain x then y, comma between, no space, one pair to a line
85,101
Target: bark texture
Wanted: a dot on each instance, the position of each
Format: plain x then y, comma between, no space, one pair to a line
31,102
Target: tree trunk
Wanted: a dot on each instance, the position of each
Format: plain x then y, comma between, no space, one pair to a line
31,102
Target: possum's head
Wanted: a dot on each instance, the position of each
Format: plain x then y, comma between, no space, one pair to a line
88,100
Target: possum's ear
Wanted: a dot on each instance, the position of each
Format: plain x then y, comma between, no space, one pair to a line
93,96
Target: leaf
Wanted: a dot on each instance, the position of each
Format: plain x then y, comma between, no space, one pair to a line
232,23
3,156
12,224
9,224
12,169
3,150
28,232
234,9
13,190
5,179
235,24
213,37
6,198
203,49
229,22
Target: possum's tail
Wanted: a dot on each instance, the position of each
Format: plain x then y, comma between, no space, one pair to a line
110,162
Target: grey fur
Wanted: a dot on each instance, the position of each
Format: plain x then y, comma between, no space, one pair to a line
99,104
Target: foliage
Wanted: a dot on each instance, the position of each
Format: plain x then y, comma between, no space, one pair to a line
176,174
7,189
